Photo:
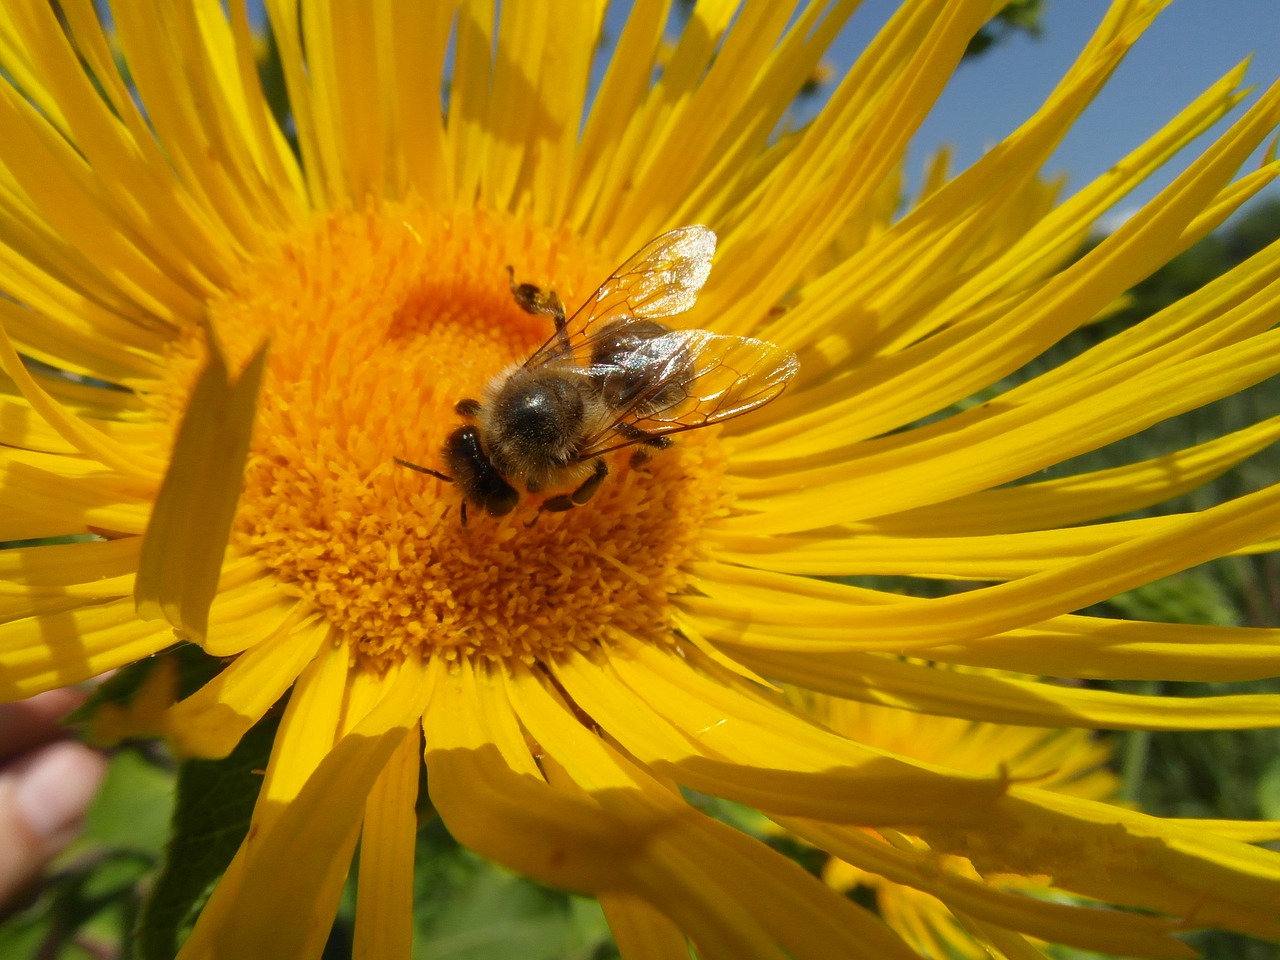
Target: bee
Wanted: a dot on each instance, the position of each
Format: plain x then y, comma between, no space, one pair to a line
611,376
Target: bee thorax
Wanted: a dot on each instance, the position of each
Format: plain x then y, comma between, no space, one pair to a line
535,423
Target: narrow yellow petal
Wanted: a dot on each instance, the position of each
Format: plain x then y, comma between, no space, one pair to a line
417,36
761,266
171,233
721,742
956,363
321,158
202,124
466,129
640,931
66,563
132,463
731,894
1081,497
290,912
21,426
1007,944
1247,831
1059,232
191,520
342,67
246,610
62,191
19,65
514,101
829,622
307,733
282,177
492,796
914,686
1136,859
895,278
616,104
1100,648
211,721
39,654
384,898
564,75
52,321
659,118
108,588
763,99
998,557
1108,931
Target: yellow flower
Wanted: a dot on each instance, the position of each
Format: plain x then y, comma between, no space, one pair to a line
1068,761
319,307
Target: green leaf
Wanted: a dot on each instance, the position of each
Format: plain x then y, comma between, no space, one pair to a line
1268,790
469,909
214,804
132,809
1193,596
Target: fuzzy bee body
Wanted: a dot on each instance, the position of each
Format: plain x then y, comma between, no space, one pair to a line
611,376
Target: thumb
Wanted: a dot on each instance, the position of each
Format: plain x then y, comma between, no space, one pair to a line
43,797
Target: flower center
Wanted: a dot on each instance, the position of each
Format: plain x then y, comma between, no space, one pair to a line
380,322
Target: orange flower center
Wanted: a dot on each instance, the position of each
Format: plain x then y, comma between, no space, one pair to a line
380,322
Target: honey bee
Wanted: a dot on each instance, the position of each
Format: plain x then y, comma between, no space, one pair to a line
611,376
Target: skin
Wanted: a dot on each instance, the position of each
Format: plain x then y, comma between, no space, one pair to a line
46,785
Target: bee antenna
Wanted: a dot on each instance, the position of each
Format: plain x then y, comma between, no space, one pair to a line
427,470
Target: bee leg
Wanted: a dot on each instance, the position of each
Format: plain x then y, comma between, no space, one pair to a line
650,442
589,486
533,299
639,457
427,470
467,408
586,490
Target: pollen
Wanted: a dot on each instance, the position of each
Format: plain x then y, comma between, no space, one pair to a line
379,323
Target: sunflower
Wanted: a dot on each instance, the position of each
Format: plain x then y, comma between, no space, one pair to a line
251,315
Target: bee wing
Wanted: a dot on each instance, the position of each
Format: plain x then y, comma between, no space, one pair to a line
660,280
692,379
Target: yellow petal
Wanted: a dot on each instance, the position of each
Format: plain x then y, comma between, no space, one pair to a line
289,912
914,686
718,740
1096,647
38,654
384,898
183,549
1144,861
734,896
211,721
640,931
1090,929
138,467
1082,497
838,617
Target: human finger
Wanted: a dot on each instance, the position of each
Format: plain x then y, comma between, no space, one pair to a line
44,796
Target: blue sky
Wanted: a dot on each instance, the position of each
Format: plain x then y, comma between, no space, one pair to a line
1191,45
